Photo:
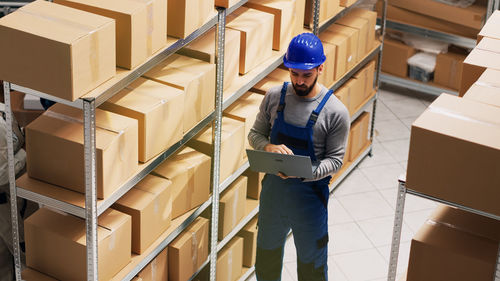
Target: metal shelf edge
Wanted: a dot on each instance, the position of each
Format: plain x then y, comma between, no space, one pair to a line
237,228
233,177
358,66
247,274
414,85
200,269
168,240
335,18
77,103
441,36
354,164
51,202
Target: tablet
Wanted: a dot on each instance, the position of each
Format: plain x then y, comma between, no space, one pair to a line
273,163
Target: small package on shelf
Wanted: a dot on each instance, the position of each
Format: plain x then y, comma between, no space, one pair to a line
189,172
454,245
55,154
188,251
232,145
352,42
41,55
340,42
157,269
254,183
449,68
283,19
56,245
245,109
232,206
196,78
140,26
355,94
327,10
256,30
396,55
159,110
358,136
361,24
421,66
451,132
230,260
186,16
203,48
327,78
371,17
367,74
249,235
149,203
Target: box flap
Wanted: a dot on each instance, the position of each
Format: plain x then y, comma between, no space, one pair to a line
180,163
188,64
171,76
153,184
349,31
334,38
353,21
484,94
485,54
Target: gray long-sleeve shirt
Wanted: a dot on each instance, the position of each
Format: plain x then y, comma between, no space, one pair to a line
330,131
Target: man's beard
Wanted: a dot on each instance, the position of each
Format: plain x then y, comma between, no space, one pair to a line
303,90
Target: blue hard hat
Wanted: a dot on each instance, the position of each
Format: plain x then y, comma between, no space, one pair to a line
304,52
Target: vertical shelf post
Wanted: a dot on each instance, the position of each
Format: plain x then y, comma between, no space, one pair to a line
90,187
216,138
315,15
396,235
12,181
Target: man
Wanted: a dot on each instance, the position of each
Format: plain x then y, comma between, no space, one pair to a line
302,118
6,249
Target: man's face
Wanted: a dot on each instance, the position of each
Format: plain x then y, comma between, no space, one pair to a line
303,81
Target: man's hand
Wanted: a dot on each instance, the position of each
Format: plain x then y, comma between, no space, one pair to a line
280,148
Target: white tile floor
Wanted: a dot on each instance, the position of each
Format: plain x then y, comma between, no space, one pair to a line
361,209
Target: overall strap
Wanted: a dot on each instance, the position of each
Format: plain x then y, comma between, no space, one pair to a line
314,115
281,106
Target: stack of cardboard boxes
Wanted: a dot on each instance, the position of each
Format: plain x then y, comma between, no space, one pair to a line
453,156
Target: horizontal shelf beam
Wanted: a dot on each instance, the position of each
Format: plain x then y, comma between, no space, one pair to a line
414,85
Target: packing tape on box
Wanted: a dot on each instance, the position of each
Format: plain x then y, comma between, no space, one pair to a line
94,41
70,119
194,250
488,85
150,24
459,116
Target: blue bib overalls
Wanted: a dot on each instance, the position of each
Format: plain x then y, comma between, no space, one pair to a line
293,204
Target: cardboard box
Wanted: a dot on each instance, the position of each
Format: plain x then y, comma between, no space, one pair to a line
254,183
56,244
42,33
158,109
149,203
371,16
343,94
356,89
490,28
449,125
203,48
283,12
352,43
347,3
188,251
157,269
29,274
196,78
396,55
189,172
148,19
232,206
23,116
340,42
264,85
186,16
256,36
454,245
449,69
472,16
232,145
298,17
485,94
367,75
361,24
358,136
485,55
230,260
280,74
249,235
327,10
245,109
55,153
327,78
420,20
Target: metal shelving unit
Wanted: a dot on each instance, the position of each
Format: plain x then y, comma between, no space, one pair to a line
465,42
398,224
88,207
